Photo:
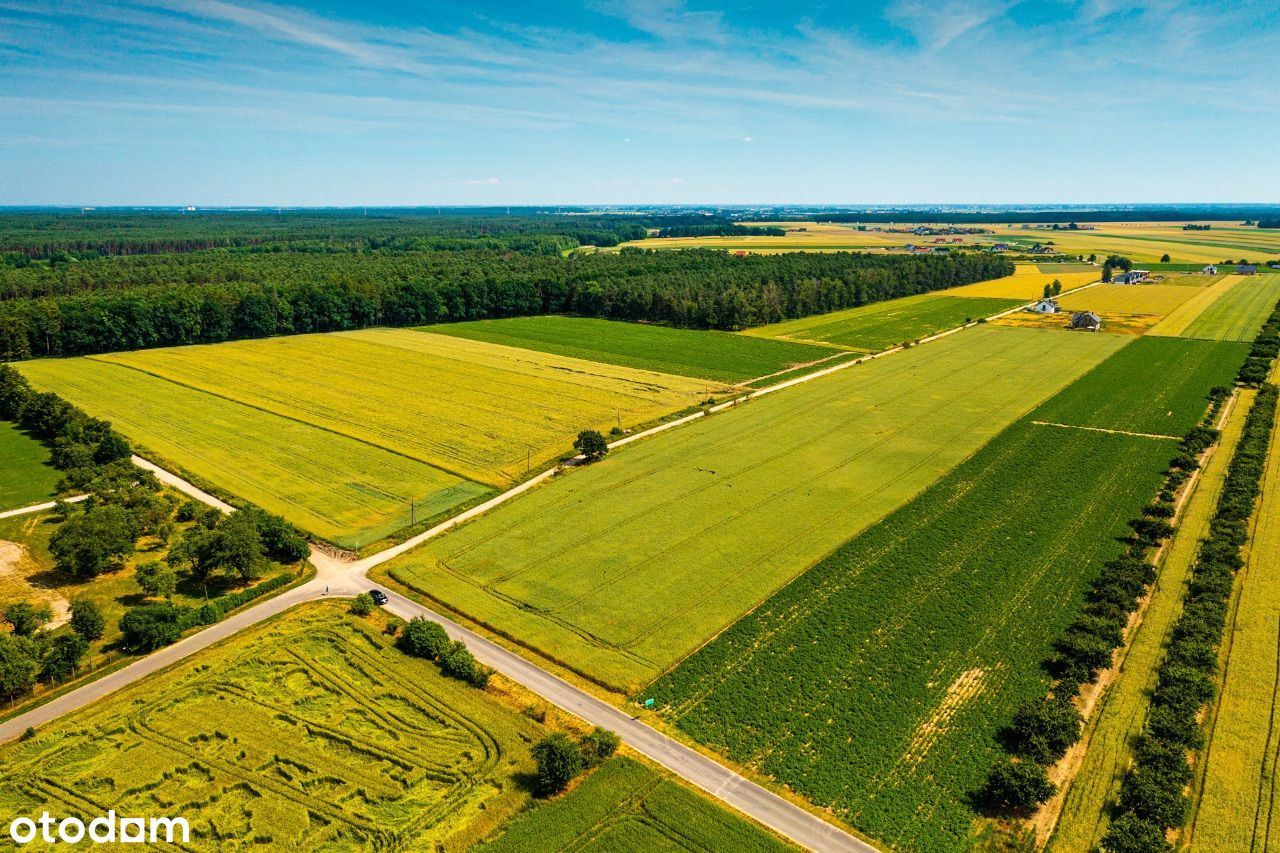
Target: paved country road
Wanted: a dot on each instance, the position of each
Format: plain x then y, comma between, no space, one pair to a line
339,578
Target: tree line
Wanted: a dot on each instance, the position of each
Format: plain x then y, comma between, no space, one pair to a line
692,289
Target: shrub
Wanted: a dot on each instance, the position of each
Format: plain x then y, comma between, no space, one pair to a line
87,619
1131,834
1042,731
362,605
153,626
1016,787
423,638
559,763
598,745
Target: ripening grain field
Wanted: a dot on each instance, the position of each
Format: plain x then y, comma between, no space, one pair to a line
718,356
626,806
484,412
1239,314
884,324
1156,299
309,732
341,489
1026,284
624,567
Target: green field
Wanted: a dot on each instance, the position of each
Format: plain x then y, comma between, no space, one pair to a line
876,682
1121,715
885,324
26,477
1239,314
310,732
625,806
718,356
336,487
1171,376
1239,803
622,568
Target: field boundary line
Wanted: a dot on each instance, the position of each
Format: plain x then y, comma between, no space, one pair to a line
1109,431
24,510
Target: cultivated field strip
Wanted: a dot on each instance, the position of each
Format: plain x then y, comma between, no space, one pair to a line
626,806
875,683
1239,805
1240,313
478,410
1154,299
1174,374
339,488
294,736
1026,284
631,563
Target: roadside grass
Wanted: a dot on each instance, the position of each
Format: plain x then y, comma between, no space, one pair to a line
881,325
480,411
626,805
718,356
1157,299
26,476
1239,792
622,568
1240,313
1174,375
308,732
876,683
1121,715
338,488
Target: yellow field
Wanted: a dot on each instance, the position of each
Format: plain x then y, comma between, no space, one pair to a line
1144,242
478,410
1026,283
1112,322
1154,299
1177,320
1237,809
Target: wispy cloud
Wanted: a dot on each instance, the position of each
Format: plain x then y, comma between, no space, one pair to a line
483,182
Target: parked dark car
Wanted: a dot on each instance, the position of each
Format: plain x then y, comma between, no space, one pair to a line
379,597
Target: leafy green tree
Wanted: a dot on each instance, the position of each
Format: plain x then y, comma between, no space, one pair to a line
1044,729
1017,786
63,656
238,547
95,541
1056,287
152,626
111,448
156,578
559,763
1131,834
1164,259
424,638
26,618
19,665
591,444
87,619
362,605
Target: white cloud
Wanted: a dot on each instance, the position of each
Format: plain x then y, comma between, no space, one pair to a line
677,180
748,139
484,182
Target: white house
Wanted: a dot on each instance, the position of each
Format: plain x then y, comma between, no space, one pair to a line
1210,270
1131,277
1045,306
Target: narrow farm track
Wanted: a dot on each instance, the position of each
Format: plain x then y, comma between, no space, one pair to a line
47,505
338,577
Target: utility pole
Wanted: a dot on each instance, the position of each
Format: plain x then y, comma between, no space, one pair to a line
413,513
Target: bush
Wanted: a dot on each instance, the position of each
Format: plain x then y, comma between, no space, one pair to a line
423,638
362,605
1131,834
87,619
457,661
559,763
1016,787
153,626
1043,731
598,745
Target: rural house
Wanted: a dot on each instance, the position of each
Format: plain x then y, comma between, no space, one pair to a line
1131,277
1045,306
1210,270
1246,269
1086,320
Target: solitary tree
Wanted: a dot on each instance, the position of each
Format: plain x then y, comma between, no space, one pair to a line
591,444
1057,287
157,579
362,604
599,745
1164,259
559,762
87,619
423,638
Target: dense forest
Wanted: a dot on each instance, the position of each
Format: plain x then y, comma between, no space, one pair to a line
722,229
51,307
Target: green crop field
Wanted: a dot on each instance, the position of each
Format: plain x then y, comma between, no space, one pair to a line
1171,376
484,412
718,356
876,682
624,567
26,477
1120,717
625,806
309,732
884,324
1240,796
1240,312
344,490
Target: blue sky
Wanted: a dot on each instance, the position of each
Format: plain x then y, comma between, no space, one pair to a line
224,102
